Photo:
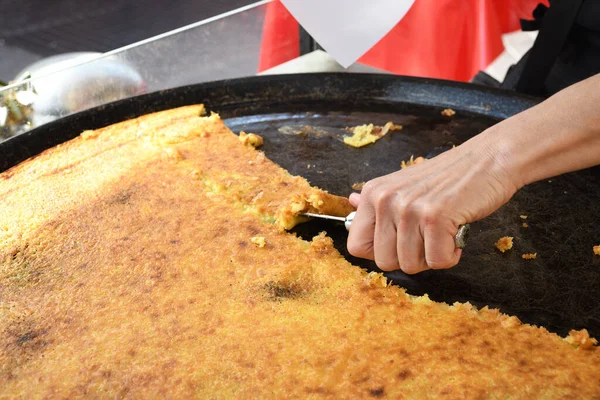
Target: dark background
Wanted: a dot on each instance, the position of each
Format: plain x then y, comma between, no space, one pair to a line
33,29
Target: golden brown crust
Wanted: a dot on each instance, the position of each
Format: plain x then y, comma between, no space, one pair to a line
363,135
581,339
258,241
314,201
394,127
144,283
251,139
411,161
504,243
358,186
448,112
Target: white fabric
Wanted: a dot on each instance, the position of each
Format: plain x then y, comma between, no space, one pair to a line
347,29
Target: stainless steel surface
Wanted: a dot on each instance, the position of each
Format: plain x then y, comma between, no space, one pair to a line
61,90
323,216
221,47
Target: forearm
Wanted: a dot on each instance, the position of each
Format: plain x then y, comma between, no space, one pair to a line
559,135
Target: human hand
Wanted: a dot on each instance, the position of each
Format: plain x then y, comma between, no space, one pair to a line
408,219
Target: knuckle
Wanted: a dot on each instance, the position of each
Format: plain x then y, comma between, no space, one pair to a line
431,214
369,187
403,209
382,198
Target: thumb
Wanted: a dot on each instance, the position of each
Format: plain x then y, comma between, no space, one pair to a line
354,199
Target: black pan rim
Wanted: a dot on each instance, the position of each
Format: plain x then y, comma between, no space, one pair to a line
343,88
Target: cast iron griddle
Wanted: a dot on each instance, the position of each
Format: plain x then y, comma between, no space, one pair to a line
302,119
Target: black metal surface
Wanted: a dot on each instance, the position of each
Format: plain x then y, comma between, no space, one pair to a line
302,119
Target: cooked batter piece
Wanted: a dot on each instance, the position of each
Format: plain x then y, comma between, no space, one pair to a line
411,161
504,243
363,135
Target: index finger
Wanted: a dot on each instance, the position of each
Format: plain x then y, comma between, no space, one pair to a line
362,232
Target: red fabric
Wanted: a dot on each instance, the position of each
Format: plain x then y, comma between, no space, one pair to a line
280,40
448,39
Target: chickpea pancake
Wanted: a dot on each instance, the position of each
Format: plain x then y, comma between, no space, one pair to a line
149,259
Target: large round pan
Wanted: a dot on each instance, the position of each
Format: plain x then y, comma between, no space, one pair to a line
302,118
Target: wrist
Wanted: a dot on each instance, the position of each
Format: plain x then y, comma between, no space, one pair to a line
522,145
559,135
497,156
